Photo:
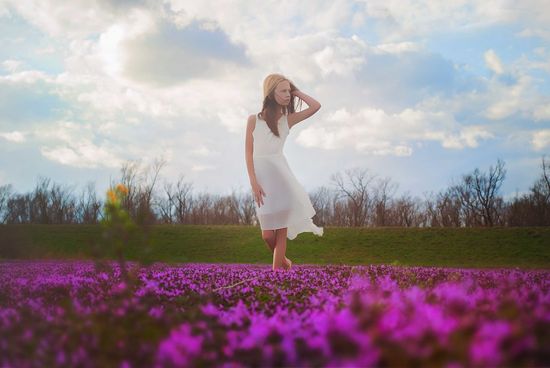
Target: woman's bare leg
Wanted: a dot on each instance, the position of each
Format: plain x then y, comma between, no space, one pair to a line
280,248
269,237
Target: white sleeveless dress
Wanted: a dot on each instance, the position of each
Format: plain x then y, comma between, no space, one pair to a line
286,203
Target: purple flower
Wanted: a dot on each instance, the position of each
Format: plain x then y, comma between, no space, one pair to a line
180,347
485,348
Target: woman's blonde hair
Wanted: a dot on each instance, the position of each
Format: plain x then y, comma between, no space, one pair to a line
270,105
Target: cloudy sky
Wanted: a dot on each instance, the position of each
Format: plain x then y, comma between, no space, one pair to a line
416,91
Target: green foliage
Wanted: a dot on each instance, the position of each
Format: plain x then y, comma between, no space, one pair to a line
121,235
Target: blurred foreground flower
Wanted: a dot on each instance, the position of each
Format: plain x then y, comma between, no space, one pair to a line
121,188
121,236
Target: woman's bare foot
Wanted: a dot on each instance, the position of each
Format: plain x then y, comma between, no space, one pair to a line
287,264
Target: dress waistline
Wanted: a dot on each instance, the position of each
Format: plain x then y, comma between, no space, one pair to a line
268,155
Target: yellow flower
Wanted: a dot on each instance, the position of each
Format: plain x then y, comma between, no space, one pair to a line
112,196
122,189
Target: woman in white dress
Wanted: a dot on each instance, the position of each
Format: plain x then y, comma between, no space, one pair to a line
282,205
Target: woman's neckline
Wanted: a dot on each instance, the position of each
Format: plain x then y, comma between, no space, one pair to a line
277,119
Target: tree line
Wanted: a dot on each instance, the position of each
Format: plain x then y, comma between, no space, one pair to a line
354,198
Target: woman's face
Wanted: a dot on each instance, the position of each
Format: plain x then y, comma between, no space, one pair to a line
282,93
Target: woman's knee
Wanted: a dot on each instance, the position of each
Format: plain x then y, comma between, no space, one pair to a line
268,235
281,233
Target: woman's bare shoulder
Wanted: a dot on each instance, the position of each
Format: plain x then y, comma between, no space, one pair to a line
251,123
251,118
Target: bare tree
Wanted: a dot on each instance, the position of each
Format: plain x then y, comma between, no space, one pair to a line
5,194
407,211
478,195
340,216
540,196
545,177
200,209
532,208
432,212
165,204
221,207
140,183
146,213
383,193
486,188
130,179
19,209
450,209
356,193
242,208
321,200
62,205
39,203
541,188
88,207
44,205
443,209
519,211
183,201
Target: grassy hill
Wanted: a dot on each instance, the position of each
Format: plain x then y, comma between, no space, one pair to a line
472,247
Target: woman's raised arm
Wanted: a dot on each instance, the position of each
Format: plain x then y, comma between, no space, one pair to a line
313,107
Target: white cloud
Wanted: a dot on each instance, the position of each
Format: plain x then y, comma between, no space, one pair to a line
526,64
542,112
202,167
234,120
4,11
406,19
204,151
26,77
520,96
493,62
541,139
506,100
535,32
48,50
397,47
11,65
73,144
14,136
402,20
109,50
541,51
342,56
373,131
72,19
383,148
82,154
510,91
167,55
277,39
469,136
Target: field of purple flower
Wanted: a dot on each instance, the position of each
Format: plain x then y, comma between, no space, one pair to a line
72,313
